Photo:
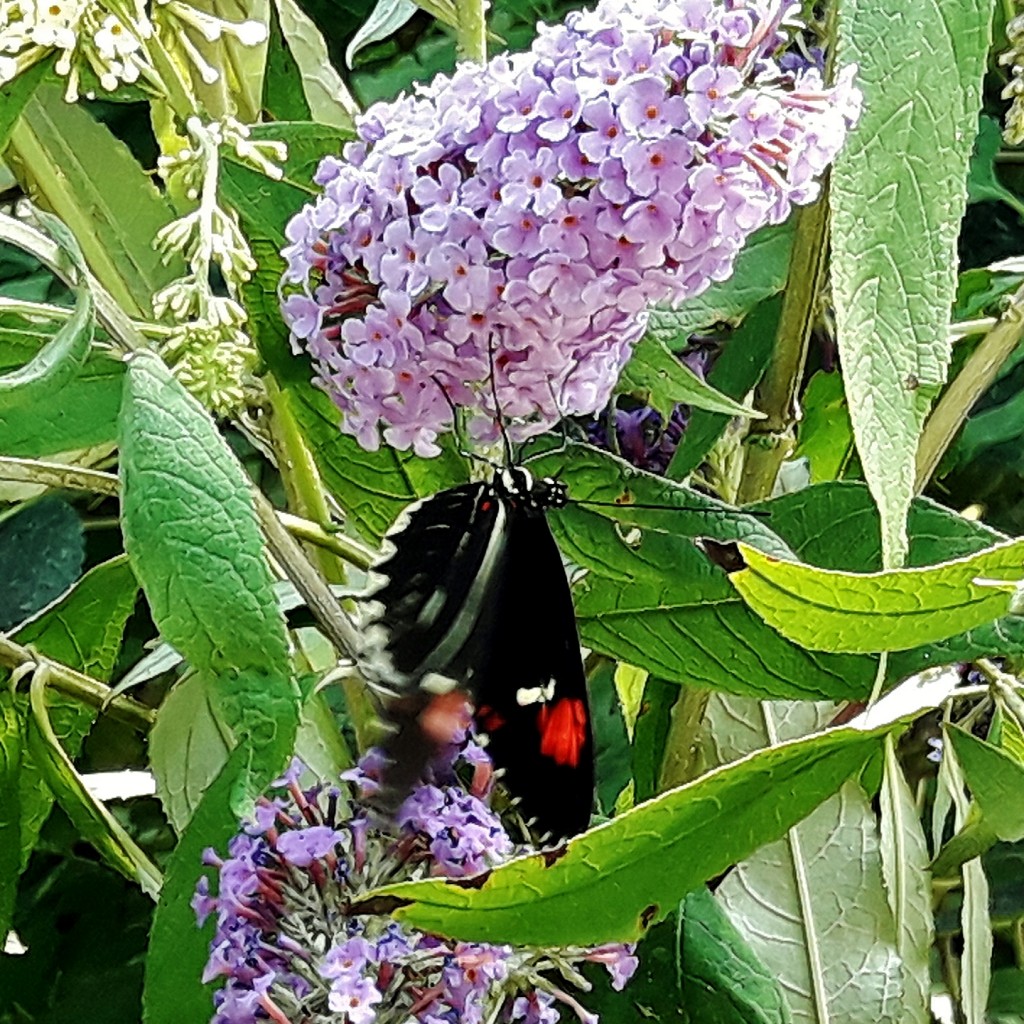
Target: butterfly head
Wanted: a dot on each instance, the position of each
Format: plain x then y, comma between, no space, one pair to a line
519,487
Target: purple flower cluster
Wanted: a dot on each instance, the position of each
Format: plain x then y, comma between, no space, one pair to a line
639,435
512,223
289,953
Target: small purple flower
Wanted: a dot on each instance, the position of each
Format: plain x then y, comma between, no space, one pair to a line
203,904
238,1004
348,958
535,1008
465,836
709,91
302,846
356,998
264,816
620,962
559,109
646,109
291,775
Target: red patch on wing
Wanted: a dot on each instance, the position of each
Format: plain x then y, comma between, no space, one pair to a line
563,730
488,719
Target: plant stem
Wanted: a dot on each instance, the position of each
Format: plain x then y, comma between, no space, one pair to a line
57,475
971,383
769,441
337,626
471,31
682,760
305,494
77,684
336,543
114,320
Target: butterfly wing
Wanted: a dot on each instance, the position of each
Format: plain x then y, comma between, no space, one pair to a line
531,691
427,609
424,599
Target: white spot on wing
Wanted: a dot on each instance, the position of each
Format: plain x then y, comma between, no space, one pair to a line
527,695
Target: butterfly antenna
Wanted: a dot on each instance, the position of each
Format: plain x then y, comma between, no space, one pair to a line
498,417
456,422
756,512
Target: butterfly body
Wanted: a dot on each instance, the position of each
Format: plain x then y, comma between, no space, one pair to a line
470,597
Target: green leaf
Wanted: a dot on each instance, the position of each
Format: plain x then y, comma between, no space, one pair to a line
975,924
1011,732
386,18
695,967
613,882
736,371
178,949
11,738
982,182
239,88
41,551
1007,995
283,94
85,929
825,609
998,424
612,752
905,870
835,526
996,781
16,93
91,819
84,417
324,90
58,362
901,176
761,270
724,980
188,747
812,905
86,176
826,437
319,743
264,204
654,993
676,624
83,631
191,531
658,379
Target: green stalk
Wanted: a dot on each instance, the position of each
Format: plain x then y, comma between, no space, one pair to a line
78,685
974,379
682,761
471,30
306,496
769,441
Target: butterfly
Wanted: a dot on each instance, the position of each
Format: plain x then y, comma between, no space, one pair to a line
470,597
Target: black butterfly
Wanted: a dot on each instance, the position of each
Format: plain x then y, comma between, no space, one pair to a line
470,597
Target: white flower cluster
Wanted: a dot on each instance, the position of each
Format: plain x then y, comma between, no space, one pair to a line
210,350
111,39
1013,130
